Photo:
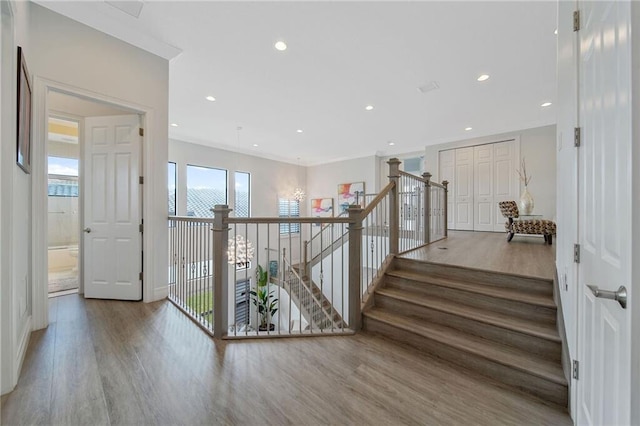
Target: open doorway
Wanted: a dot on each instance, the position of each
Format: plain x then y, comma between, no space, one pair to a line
77,127
63,206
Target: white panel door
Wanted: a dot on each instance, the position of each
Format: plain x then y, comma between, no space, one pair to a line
447,163
112,240
604,212
484,210
505,184
463,182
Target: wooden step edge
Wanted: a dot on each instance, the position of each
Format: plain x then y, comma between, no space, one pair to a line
476,314
484,289
508,358
469,268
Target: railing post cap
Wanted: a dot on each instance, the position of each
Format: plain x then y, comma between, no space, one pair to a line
445,183
427,175
394,160
354,208
220,208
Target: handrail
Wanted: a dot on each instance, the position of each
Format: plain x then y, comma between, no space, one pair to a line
192,219
420,178
378,198
277,220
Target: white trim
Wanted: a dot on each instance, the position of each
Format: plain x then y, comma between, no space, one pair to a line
23,344
42,86
160,293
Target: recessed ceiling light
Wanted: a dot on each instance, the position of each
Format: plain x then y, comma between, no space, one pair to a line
174,124
483,77
556,32
210,98
546,104
468,128
391,143
280,45
255,144
299,130
369,107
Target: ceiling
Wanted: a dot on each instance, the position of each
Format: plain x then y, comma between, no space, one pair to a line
342,56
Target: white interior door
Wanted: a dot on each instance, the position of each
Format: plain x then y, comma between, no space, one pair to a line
483,170
112,241
604,212
447,162
463,182
505,187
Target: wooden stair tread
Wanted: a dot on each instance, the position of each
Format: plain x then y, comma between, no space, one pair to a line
532,328
492,351
484,289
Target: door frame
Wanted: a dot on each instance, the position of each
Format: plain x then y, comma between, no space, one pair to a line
42,87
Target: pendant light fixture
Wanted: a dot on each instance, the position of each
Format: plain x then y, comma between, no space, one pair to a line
298,193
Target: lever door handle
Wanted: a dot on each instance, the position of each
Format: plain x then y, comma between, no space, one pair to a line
87,230
620,296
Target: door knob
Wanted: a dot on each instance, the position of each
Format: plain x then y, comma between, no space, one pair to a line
87,230
620,295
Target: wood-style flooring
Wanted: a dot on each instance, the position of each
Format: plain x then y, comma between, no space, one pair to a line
524,255
124,363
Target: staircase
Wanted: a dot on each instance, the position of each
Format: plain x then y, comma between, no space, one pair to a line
499,325
312,303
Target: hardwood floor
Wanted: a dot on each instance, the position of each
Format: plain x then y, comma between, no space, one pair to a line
524,255
124,363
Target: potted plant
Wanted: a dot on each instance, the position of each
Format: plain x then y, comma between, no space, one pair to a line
264,300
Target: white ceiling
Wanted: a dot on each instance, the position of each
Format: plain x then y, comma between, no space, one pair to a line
341,57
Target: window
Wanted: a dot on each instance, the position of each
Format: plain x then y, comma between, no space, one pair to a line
242,194
63,177
171,189
289,208
206,187
242,301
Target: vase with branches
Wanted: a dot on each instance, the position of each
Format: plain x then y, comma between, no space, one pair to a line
526,200
264,300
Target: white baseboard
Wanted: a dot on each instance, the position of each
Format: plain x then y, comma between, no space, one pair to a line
23,344
160,293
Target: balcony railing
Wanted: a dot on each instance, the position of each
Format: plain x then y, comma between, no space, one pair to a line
274,276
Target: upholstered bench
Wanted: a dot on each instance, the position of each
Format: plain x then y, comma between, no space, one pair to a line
546,228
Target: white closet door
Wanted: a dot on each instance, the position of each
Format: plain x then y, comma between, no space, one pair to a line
447,161
505,178
483,206
463,208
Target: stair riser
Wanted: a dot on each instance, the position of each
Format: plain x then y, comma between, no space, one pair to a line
524,284
542,347
544,389
509,307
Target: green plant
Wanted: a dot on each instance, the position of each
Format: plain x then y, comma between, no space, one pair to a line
263,298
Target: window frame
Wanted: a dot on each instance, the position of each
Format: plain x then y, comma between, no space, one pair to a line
235,192
226,185
288,228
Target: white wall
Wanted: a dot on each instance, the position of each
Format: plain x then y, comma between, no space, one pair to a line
537,146
323,180
16,210
64,51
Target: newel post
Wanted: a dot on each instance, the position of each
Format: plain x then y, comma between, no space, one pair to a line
220,270
355,267
445,183
394,206
427,207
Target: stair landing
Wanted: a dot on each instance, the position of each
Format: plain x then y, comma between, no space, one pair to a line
524,255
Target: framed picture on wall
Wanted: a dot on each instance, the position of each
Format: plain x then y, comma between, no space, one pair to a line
23,142
321,207
350,193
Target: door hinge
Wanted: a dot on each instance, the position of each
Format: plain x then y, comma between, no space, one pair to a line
576,369
576,136
576,20
141,131
140,276
141,227
576,253
140,180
